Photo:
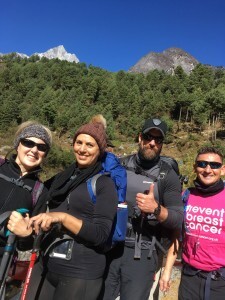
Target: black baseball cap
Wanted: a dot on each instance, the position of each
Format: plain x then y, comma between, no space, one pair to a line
156,124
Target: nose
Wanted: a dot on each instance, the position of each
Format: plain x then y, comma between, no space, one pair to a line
152,142
83,148
208,168
34,149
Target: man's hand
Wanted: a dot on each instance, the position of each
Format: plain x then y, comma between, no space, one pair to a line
146,202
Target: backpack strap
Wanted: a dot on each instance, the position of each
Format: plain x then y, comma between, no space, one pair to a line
36,192
91,185
163,171
185,196
2,161
129,163
16,182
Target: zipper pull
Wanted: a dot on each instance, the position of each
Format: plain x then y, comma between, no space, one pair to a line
68,202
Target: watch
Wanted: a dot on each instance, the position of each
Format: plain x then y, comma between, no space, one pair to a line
157,210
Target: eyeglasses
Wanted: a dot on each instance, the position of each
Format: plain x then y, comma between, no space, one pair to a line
31,144
149,137
213,164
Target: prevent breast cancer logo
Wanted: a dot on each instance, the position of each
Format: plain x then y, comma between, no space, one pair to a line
204,220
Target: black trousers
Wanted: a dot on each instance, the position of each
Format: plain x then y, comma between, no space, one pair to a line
192,287
51,286
130,278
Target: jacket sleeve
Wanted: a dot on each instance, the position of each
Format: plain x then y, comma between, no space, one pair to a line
97,232
172,200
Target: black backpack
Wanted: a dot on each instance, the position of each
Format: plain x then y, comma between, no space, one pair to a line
166,163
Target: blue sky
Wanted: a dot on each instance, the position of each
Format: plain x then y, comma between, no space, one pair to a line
115,34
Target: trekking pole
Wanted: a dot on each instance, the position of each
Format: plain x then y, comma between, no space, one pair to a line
6,262
34,254
8,256
36,248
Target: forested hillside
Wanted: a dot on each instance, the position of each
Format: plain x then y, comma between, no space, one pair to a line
64,95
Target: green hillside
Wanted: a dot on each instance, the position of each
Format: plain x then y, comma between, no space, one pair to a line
64,95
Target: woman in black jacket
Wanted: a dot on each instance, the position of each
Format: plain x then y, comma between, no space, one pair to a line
20,173
20,184
75,267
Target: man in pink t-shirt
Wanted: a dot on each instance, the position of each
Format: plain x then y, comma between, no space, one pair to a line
203,249
203,242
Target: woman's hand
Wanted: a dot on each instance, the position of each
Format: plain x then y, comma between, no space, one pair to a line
18,225
45,220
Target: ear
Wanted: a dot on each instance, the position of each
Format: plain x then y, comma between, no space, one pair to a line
195,167
139,138
222,170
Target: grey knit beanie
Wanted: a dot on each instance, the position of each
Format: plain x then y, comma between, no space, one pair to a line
34,130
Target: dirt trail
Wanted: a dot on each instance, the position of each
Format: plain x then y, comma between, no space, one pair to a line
173,292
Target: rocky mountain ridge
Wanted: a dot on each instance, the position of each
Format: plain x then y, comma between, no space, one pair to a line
167,61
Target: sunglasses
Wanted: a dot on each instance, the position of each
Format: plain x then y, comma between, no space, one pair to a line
31,144
149,137
213,164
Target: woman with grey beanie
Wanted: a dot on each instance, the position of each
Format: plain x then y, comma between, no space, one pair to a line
19,180
20,172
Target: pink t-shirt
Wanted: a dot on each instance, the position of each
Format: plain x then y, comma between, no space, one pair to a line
204,238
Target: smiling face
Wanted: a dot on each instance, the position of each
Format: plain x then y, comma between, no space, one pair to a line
208,176
29,158
86,150
150,145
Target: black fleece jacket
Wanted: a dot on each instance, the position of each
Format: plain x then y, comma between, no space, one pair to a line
14,196
88,261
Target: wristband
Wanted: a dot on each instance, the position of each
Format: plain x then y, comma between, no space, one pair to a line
157,210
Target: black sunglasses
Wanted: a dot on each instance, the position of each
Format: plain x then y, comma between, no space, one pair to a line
213,164
149,137
31,144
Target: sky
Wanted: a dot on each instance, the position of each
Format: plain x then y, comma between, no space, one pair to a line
115,35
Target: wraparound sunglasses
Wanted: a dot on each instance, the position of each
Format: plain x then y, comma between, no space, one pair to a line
31,144
213,164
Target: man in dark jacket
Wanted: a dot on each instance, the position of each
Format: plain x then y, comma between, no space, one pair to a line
155,212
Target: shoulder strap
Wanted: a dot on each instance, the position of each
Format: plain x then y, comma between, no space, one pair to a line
2,161
36,192
128,163
185,196
163,171
91,185
16,182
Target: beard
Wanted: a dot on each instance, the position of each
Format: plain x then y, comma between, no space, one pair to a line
148,153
